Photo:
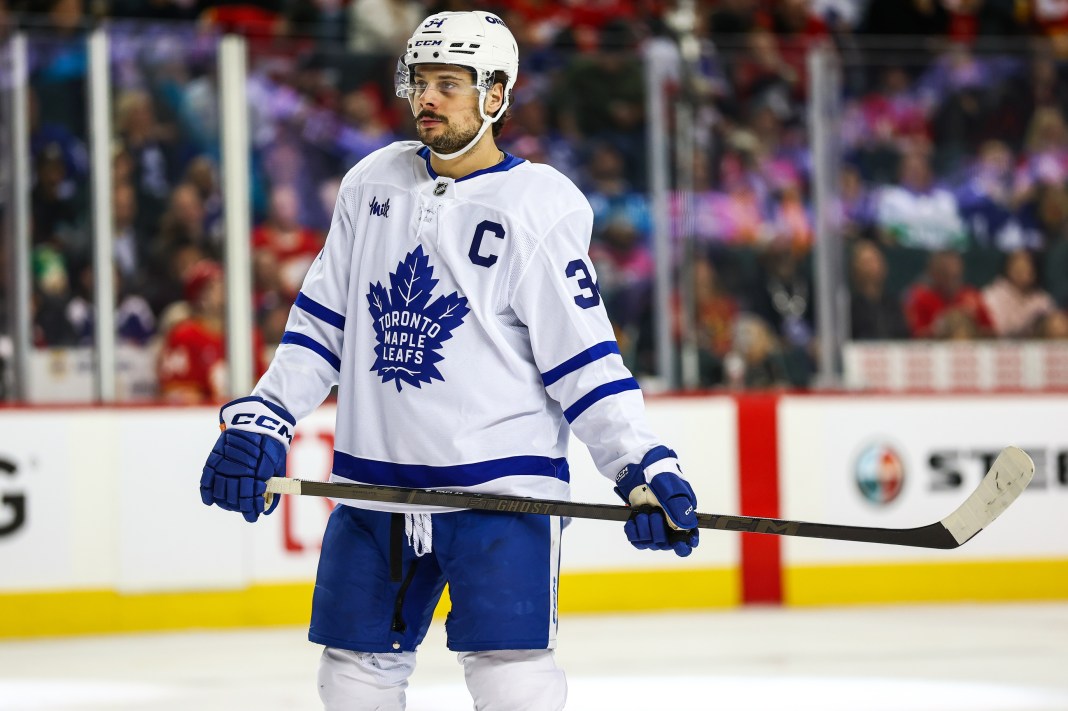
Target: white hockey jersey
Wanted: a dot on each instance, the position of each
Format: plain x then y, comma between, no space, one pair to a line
462,323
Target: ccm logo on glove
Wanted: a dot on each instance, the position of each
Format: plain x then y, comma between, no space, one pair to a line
267,423
254,414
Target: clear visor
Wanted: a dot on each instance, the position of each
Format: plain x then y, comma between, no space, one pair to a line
410,87
447,88
400,79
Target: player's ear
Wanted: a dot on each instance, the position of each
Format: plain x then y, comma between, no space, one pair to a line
494,98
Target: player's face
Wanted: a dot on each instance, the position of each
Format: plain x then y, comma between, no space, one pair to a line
445,101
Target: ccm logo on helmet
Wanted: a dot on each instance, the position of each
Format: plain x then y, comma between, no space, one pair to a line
427,43
267,423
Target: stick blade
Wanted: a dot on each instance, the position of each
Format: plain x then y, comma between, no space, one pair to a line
1009,475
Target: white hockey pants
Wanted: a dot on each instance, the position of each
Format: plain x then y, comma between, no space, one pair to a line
505,680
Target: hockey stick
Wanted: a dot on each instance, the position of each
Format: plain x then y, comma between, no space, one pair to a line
1008,476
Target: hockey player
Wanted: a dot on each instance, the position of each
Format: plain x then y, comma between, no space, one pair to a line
456,309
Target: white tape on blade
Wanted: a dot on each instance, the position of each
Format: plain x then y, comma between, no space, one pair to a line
1008,477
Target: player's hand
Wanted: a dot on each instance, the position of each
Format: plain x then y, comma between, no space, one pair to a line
665,507
251,449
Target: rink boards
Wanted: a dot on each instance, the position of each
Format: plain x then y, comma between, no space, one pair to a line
102,529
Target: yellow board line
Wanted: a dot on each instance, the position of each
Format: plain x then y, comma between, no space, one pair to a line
978,581
60,613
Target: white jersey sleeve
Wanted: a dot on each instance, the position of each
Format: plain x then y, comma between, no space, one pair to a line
574,345
307,363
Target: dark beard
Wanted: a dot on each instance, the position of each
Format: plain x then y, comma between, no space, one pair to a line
450,140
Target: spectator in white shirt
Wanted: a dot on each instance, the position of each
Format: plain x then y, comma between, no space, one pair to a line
917,213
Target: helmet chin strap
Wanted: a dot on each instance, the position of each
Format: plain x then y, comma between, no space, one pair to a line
486,122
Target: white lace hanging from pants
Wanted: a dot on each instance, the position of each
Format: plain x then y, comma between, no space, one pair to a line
420,532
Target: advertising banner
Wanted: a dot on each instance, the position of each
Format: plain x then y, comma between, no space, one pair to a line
910,461
51,531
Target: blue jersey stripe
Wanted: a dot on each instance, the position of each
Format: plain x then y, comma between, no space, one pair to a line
507,163
313,307
599,393
575,362
510,161
299,339
425,476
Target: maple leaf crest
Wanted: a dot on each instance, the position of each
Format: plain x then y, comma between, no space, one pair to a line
409,327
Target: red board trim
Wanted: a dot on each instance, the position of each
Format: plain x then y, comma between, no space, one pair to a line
758,487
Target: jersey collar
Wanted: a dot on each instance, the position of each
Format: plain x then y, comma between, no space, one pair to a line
510,161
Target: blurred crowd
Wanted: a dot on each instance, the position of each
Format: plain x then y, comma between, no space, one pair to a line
952,188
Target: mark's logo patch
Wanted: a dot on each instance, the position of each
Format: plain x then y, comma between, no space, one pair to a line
379,209
409,327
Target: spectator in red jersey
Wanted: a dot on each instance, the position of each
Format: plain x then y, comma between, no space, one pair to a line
192,367
943,299
192,362
294,247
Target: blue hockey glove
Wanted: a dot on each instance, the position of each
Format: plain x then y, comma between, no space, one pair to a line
251,448
665,507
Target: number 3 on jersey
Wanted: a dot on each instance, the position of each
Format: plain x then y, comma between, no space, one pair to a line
585,282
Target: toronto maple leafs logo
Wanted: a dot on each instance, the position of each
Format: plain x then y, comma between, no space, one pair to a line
409,327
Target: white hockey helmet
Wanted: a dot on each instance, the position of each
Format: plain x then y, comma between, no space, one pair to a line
477,40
